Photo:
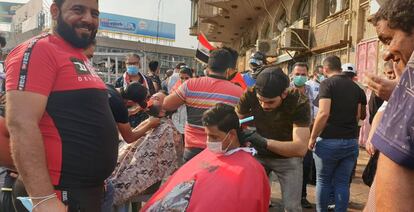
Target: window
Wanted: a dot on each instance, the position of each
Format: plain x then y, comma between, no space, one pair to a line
194,12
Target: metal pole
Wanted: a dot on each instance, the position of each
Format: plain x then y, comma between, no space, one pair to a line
109,70
158,29
116,67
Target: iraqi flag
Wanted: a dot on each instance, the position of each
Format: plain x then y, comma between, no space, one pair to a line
203,49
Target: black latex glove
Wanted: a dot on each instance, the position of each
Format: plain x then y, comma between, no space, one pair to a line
255,139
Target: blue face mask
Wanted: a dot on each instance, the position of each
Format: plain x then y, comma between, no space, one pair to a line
27,203
299,81
132,70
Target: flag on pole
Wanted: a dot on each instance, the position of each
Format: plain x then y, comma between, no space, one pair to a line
203,49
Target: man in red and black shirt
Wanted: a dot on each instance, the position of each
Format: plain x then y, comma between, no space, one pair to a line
63,134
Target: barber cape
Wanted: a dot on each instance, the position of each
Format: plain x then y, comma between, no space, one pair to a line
213,182
147,161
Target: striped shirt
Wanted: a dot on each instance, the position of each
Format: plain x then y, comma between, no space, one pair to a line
199,95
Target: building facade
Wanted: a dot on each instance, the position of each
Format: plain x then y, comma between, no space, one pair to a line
117,35
289,31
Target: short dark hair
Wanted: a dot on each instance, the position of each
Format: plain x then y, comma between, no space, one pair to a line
2,41
223,116
136,93
333,62
316,69
234,57
59,3
271,82
178,66
398,13
186,70
153,65
301,64
219,60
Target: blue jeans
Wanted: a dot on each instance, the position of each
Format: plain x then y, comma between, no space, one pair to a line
108,199
334,161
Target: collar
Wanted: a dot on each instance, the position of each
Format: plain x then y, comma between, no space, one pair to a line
216,76
246,149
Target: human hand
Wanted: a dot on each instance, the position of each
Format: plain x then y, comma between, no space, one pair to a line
380,86
255,139
312,142
370,148
52,205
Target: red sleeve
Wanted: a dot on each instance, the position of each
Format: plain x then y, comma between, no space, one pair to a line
41,69
182,90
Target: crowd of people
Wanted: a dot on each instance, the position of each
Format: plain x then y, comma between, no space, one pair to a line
69,142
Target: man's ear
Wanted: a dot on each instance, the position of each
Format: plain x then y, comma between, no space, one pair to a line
54,11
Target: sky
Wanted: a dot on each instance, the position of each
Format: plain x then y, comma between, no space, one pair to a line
172,11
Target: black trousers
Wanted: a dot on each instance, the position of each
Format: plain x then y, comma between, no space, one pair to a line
77,199
6,202
307,169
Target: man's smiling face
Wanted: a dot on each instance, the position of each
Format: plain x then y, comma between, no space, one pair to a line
400,45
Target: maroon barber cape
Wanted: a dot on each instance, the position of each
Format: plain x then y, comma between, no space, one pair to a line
215,182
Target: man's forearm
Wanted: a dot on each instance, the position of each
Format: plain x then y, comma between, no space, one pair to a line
296,148
30,159
319,125
287,148
141,130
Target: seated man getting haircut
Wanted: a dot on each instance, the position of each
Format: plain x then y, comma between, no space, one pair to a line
229,174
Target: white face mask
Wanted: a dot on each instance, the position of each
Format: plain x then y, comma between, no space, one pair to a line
216,146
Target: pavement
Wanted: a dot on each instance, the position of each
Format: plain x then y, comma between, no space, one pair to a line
359,191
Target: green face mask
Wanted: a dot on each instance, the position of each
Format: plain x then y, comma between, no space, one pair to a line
321,77
299,81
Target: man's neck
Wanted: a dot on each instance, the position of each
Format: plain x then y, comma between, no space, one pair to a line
333,73
135,78
211,73
234,145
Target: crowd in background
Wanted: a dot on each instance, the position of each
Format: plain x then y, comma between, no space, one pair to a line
201,143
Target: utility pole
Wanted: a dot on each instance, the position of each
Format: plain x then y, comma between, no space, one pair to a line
158,29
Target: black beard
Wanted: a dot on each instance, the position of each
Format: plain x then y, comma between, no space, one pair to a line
68,33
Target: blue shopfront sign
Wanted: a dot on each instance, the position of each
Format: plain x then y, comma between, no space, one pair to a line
137,26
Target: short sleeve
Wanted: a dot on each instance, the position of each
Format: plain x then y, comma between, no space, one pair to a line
324,91
244,106
40,73
301,114
119,111
183,90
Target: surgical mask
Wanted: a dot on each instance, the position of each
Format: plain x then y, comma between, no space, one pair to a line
299,81
216,146
27,203
321,77
132,70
